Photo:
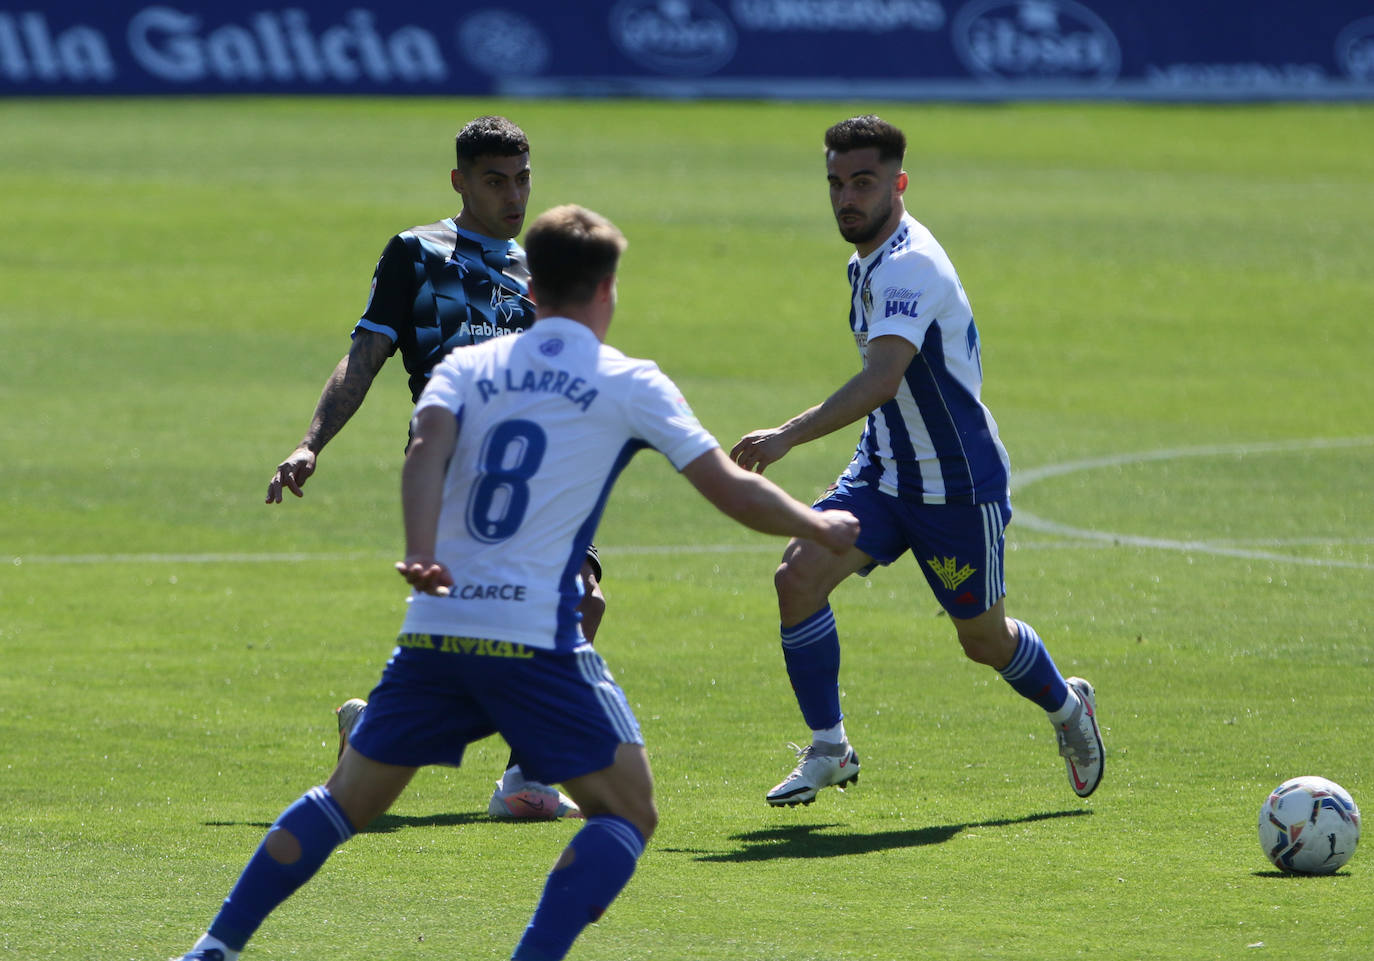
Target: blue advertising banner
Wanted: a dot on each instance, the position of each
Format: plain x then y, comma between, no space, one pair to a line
890,49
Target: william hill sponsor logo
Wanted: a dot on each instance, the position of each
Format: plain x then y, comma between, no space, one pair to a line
901,300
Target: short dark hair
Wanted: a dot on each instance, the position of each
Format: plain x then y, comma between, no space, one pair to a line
489,136
856,133
571,250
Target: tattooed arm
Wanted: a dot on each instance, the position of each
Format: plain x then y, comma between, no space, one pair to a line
342,396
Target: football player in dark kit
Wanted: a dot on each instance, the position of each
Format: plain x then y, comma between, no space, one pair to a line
460,281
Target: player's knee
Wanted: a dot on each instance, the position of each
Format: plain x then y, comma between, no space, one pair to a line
800,594
645,817
791,581
984,648
974,649
642,812
639,809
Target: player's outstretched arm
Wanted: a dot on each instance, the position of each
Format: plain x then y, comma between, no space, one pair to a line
758,503
875,385
342,396
422,497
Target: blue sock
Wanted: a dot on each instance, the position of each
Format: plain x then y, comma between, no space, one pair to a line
320,825
604,854
811,651
1032,673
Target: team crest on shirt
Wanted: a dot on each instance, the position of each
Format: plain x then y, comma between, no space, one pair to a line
866,298
506,304
950,572
551,347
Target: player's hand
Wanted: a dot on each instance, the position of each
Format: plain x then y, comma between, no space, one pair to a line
841,530
757,449
291,474
426,575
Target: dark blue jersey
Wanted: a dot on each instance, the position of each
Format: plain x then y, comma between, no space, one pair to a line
439,287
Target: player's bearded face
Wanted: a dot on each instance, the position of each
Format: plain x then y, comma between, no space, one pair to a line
859,226
863,193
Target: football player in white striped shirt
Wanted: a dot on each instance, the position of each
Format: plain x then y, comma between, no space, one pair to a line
516,444
929,474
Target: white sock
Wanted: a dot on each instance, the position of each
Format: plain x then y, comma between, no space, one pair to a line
831,735
1066,710
208,942
513,779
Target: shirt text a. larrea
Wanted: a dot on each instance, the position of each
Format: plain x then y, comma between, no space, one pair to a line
561,382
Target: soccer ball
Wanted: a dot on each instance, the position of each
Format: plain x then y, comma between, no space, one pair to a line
1309,825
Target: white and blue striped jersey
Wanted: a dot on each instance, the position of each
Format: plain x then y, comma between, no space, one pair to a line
934,442
547,419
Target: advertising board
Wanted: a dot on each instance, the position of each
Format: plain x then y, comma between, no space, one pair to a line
889,49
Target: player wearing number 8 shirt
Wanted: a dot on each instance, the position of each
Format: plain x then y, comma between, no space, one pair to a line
516,443
457,282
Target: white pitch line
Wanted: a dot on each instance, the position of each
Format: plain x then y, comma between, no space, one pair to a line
1024,478
301,557
283,557
1023,519
1026,519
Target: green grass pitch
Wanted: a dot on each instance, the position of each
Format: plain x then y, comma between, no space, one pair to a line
1175,304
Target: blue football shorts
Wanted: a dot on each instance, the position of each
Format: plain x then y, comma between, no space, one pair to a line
959,547
562,713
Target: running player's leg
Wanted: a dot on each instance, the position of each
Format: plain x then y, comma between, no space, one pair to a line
1018,654
811,642
811,652
596,865
961,551
413,718
299,843
571,724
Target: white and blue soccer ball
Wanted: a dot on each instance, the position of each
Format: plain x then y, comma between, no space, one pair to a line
1309,825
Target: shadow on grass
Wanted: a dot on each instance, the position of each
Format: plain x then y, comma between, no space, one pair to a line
389,823
799,841
1294,875
807,841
